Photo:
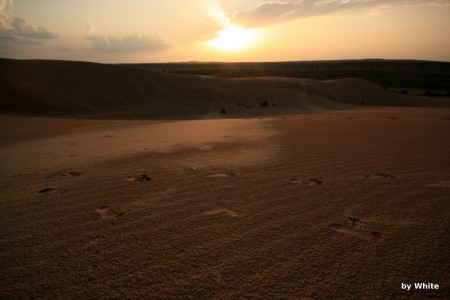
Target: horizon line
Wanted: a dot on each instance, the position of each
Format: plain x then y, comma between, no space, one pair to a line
232,62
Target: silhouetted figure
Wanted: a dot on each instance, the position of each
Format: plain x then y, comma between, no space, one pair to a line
363,102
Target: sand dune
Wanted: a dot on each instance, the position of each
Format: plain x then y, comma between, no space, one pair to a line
79,88
353,90
348,203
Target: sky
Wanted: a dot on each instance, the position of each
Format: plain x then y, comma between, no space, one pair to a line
142,31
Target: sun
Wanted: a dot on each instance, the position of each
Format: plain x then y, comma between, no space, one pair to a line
234,38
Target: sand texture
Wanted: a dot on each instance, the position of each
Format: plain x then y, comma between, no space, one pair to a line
123,183
332,205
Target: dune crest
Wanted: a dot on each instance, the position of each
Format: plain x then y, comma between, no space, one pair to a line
41,87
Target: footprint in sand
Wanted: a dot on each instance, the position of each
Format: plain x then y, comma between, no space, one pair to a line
310,181
445,184
106,213
220,175
359,228
295,180
71,174
379,175
142,178
205,147
392,118
218,211
52,191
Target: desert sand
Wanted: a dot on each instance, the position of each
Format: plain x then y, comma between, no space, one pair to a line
330,201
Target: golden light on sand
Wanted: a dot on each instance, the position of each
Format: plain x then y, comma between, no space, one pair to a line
234,38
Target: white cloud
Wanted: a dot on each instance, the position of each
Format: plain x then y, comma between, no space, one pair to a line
90,28
5,13
273,12
21,28
128,44
17,31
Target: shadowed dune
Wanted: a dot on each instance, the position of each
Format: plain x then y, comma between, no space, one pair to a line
79,88
332,205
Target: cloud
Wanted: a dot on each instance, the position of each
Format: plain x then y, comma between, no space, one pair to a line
5,12
90,29
23,29
16,30
128,44
274,12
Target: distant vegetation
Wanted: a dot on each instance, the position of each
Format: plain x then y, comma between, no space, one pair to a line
402,76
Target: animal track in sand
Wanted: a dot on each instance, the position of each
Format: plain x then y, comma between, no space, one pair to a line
52,191
106,213
223,211
445,184
295,180
142,178
392,118
205,147
220,175
379,175
71,174
359,228
310,181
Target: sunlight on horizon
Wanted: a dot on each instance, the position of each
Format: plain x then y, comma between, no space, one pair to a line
234,39
224,30
226,36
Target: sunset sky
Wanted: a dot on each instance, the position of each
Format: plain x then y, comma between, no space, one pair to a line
224,30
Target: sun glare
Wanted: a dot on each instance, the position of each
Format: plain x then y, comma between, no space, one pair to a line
234,38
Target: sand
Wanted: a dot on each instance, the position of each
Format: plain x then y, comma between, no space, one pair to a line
119,183
344,204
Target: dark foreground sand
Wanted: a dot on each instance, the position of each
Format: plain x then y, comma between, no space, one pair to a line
338,205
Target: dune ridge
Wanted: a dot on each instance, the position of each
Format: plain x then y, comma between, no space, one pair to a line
44,87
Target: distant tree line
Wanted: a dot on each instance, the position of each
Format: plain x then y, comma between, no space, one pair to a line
409,74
